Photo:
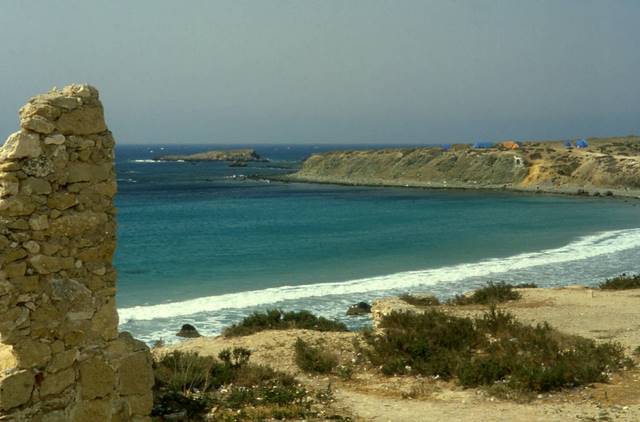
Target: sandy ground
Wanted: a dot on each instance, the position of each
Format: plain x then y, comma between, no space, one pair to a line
371,396
599,314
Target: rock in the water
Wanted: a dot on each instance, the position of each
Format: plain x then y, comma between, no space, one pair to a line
241,155
360,308
188,331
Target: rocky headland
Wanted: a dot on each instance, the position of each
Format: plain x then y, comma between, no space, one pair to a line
608,166
236,156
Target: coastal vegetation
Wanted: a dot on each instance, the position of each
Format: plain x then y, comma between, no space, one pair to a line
189,387
314,359
419,300
491,293
621,282
276,319
410,354
493,350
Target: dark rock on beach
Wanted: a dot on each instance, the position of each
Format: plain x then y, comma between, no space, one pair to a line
188,331
360,308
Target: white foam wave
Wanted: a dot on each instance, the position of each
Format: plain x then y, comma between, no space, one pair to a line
583,248
157,161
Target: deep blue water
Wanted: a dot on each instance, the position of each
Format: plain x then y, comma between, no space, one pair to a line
198,245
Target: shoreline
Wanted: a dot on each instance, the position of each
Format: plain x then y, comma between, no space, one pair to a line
330,299
581,296
572,191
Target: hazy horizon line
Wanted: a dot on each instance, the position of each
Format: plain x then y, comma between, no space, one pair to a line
314,143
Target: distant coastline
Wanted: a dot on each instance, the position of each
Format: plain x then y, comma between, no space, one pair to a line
606,167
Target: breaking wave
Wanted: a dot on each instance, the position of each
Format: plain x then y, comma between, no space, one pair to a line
156,161
596,245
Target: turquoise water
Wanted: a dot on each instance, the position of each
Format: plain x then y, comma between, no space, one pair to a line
198,245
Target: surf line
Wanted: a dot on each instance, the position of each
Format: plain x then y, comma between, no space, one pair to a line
583,248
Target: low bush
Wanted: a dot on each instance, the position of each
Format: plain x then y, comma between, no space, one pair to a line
621,282
491,293
275,319
173,402
429,343
314,358
345,372
185,372
425,300
278,390
489,350
236,358
190,385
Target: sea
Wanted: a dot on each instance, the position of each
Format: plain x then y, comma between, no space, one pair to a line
207,244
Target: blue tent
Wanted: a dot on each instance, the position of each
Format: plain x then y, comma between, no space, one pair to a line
482,144
446,147
567,144
581,143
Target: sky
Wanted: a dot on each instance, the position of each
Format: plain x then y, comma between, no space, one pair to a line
328,71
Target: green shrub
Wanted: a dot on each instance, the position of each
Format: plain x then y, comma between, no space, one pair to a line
345,372
537,358
171,402
491,293
185,372
492,349
621,282
277,391
251,375
420,300
429,343
189,383
314,358
275,319
236,358
180,378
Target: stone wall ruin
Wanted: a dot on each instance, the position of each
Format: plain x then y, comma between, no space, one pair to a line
61,357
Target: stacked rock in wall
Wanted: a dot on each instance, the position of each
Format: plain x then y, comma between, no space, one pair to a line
61,357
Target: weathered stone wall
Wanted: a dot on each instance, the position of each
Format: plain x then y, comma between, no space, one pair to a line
61,357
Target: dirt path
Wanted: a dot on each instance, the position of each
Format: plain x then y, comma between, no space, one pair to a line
371,408
599,314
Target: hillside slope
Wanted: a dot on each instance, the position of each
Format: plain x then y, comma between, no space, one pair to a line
607,166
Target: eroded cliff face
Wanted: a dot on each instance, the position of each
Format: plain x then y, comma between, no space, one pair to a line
61,357
608,164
